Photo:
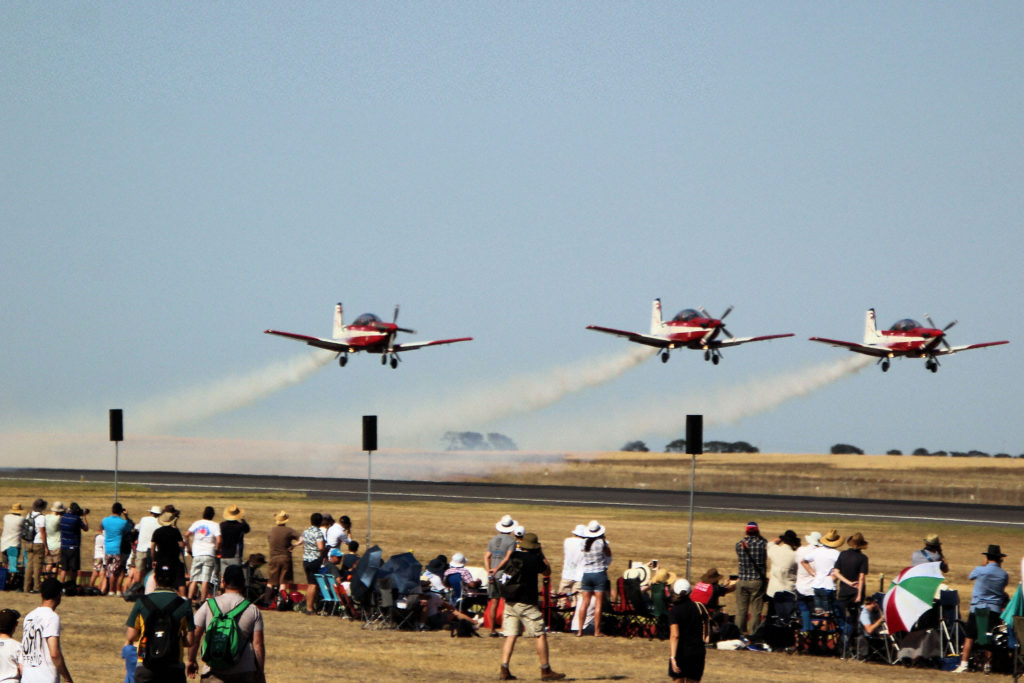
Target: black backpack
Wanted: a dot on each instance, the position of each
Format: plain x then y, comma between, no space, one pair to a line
510,577
160,632
28,527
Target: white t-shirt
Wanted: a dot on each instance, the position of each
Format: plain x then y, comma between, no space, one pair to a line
99,549
12,531
146,527
823,559
204,539
782,575
572,568
10,655
40,624
40,522
804,580
336,536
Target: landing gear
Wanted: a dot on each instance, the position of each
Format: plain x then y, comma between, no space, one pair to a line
714,359
342,360
932,365
394,362
707,355
383,359
885,366
664,356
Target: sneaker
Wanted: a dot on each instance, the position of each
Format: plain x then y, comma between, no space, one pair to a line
550,675
962,667
506,675
987,668
478,622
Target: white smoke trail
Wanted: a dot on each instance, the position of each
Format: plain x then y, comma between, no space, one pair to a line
516,396
665,415
198,403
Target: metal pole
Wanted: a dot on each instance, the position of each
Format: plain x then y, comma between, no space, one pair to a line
369,478
116,459
689,542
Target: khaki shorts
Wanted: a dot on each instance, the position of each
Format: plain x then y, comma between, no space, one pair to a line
279,570
204,568
522,619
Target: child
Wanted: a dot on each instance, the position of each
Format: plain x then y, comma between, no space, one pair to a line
130,655
97,559
10,649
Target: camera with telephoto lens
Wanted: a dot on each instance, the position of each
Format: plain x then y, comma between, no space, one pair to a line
76,509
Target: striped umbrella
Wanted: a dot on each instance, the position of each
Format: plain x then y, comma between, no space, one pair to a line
910,595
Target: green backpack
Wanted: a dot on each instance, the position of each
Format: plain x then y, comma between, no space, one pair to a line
223,642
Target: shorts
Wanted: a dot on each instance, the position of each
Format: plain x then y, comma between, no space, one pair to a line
596,582
142,561
493,589
279,570
70,559
312,568
971,627
522,619
97,564
113,565
204,568
172,674
568,586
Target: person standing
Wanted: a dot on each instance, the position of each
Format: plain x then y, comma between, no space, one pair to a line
819,563
313,548
281,540
572,569
752,556
782,555
167,546
143,553
597,556
204,534
850,570
115,527
170,667
232,536
72,524
932,552
499,550
10,537
35,550
522,613
688,626
249,668
42,657
989,592
52,524
10,649
805,579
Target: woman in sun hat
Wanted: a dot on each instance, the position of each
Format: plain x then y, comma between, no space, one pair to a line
597,556
822,559
10,538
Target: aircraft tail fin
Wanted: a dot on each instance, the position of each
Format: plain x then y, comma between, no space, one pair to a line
339,324
870,330
656,323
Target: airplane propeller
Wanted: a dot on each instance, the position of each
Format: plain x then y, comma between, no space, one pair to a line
394,321
932,323
726,332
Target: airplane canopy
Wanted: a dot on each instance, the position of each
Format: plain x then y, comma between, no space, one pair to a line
905,325
366,319
685,315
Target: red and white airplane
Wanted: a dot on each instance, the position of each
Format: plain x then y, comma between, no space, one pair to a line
905,339
690,329
366,333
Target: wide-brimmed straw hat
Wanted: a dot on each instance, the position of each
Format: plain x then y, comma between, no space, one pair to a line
505,525
594,529
17,508
932,541
166,518
281,518
233,512
638,572
857,541
664,576
57,507
832,539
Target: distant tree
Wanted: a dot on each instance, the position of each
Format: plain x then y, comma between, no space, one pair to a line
500,442
977,454
921,451
743,447
894,451
677,446
1001,455
845,449
939,453
635,447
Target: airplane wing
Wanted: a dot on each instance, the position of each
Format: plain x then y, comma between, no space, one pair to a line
328,344
866,349
968,347
736,341
658,342
412,346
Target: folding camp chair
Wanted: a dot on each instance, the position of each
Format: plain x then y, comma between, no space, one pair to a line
783,622
950,631
329,600
637,618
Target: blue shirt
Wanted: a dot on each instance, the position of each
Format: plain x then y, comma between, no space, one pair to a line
113,528
70,531
130,655
989,587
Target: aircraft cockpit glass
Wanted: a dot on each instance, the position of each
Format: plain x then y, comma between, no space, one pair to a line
685,315
905,325
366,319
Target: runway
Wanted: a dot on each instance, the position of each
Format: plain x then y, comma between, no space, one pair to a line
464,492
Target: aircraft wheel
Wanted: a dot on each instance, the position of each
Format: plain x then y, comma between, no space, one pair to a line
707,355
885,366
664,357
934,367
383,359
342,361
394,362
714,360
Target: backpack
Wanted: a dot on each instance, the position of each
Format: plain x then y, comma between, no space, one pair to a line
223,642
510,577
28,527
160,632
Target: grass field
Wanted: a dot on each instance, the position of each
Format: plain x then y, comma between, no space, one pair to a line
305,648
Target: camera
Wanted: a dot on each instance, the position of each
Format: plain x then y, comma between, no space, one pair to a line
76,509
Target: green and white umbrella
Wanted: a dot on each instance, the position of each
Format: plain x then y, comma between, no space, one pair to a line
910,595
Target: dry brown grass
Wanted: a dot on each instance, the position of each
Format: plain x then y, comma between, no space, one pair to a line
302,648
945,479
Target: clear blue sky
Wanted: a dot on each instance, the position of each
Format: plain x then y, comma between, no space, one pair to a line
175,179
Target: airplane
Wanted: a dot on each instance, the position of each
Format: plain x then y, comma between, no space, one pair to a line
905,339
366,333
690,329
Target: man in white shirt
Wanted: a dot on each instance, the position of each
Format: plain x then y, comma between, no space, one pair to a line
572,568
805,579
204,536
821,560
42,658
146,526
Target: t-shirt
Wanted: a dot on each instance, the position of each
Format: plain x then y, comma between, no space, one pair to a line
39,624
311,538
52,523
182,615
498,546
70,531
688,617
595,560
782,573
279,540
572,547
146,527
204,537
114,528
39,521
232,533
11,537
804,579
250,621
166,548
823,558
533,567
989,587
850,563
10,654
336,536
99,546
